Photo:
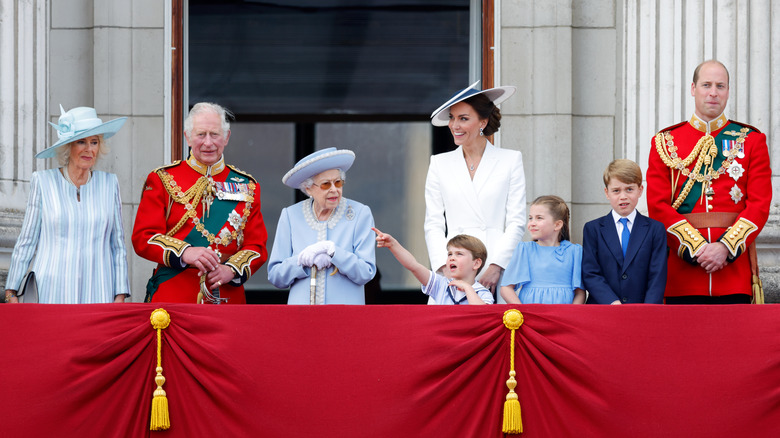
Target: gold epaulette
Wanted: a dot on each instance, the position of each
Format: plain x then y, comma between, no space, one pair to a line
745,125
737,234
169,245
690,238
241,260
175,163
241,172
670,128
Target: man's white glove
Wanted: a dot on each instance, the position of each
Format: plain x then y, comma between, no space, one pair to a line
306,257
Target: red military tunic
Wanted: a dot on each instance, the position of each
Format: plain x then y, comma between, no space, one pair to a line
173,216
721,183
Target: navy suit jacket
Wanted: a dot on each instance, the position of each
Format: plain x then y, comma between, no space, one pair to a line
640,277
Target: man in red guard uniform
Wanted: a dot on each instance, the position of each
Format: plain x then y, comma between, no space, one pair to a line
708,182
200,220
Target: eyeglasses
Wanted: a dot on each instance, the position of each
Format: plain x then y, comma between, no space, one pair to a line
326,185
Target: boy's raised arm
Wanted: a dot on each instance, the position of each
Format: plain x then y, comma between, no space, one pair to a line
403,256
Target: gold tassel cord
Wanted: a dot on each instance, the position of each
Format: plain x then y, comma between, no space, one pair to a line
513,423
160,420
758,290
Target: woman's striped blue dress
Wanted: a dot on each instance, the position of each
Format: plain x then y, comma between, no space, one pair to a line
78,246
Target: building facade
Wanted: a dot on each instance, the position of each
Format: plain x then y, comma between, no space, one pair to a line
596,79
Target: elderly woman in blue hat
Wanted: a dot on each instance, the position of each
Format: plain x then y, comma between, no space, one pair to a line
73,222
324,247
477,189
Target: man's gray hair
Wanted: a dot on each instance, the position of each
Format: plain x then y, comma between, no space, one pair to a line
208,107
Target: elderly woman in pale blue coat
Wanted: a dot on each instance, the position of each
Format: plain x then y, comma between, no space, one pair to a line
327,235
72,231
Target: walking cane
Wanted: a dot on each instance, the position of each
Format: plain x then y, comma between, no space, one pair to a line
313,285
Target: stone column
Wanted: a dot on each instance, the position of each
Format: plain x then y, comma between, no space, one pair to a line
23,48
536,53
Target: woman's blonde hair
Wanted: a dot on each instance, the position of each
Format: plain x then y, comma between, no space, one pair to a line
63,152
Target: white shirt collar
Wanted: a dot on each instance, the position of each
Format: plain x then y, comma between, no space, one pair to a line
631,216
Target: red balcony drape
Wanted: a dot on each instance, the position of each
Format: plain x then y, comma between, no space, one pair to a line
391,371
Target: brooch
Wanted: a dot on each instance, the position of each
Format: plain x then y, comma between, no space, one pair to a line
350,213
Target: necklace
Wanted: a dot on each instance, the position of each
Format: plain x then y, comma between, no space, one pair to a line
66,174
472,167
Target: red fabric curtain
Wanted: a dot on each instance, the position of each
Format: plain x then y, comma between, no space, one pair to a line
391,371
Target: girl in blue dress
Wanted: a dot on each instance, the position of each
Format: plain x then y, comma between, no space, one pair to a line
548,269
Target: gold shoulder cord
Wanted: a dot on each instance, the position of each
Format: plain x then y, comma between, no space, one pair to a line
190,200
706,150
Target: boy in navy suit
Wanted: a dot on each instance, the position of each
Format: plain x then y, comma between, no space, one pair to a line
624,252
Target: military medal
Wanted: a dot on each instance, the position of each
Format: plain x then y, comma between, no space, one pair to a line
232,191
728,145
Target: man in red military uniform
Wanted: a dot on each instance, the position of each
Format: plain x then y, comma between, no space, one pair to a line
200,220
709,183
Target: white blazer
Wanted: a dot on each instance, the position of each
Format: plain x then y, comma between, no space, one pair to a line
491,207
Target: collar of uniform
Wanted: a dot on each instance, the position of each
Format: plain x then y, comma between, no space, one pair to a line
203,169
708,127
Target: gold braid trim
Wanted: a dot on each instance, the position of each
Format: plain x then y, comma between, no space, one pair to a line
169,245
241,260
737,234
706,150
690,238
190,200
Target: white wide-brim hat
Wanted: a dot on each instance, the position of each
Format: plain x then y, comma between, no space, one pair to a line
316,163
441,117
80,122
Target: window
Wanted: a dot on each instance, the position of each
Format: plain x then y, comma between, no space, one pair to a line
302,75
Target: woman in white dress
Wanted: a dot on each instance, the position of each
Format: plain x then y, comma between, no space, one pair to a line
477,189
73,222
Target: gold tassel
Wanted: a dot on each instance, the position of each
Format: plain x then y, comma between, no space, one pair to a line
513,422
758,290
160,420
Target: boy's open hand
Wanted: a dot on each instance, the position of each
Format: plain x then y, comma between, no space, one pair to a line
383,240
460,284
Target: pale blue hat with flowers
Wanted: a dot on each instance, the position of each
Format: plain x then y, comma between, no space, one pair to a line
441,117
80,122
316,163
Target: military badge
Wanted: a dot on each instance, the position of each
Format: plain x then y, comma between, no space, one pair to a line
736,170
234,219
736,194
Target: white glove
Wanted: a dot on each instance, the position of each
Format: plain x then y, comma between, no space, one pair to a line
306,257
322,261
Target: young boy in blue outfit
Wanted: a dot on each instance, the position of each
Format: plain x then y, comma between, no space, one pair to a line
624,252
465,257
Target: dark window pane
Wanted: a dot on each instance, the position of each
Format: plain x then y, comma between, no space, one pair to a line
368,57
